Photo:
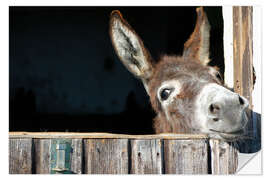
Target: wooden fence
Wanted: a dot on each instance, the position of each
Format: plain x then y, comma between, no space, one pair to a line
242,72
101,153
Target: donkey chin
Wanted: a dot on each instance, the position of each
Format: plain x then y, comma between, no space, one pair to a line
223,113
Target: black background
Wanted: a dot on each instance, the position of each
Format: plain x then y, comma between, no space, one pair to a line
65,76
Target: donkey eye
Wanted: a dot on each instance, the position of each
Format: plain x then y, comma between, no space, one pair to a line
218,76
165,93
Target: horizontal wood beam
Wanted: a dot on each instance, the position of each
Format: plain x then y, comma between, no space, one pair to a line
46,135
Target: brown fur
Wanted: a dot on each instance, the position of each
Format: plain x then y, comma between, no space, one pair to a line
190,70
167,69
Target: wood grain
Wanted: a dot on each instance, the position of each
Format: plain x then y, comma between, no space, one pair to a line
243,55
146,156
42,149
77,156
243,69
72,135
118,156
20,156
42,153
106,156
186,156
224,158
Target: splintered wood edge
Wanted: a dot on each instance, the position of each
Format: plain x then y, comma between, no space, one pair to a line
51,135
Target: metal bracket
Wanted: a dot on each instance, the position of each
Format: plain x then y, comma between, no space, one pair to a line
60,156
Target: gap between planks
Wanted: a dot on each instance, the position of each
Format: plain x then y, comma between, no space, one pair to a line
50,135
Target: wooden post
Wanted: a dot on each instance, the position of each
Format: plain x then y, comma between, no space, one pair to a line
243,54
243,66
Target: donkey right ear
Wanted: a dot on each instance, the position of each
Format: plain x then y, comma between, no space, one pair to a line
129,47
197,46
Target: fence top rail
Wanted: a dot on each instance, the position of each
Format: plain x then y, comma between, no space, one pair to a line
73,135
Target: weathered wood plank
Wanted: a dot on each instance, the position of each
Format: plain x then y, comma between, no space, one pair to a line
146,156
77,156
42,152
20,156
42,149
223,156
72,135
243,64
242,37
106,156
186,156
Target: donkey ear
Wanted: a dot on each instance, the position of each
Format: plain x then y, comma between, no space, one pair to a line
197,46
129,47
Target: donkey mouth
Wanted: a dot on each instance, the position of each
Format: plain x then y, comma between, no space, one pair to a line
229,135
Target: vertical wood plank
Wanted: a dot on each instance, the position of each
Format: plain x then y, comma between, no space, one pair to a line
77,156
243,54
146,156
43,156
185,156
224,159
42,149
106,156
20,156
243,66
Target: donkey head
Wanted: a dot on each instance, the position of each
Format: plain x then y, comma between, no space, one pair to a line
187,95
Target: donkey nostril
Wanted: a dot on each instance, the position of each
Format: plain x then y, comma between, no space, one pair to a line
241,100
214,108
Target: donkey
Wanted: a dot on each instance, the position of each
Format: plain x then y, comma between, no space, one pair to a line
187,95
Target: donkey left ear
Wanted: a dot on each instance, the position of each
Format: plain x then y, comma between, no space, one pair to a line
197,46
130,48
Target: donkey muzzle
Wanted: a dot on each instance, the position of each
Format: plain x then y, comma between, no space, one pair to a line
223,110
